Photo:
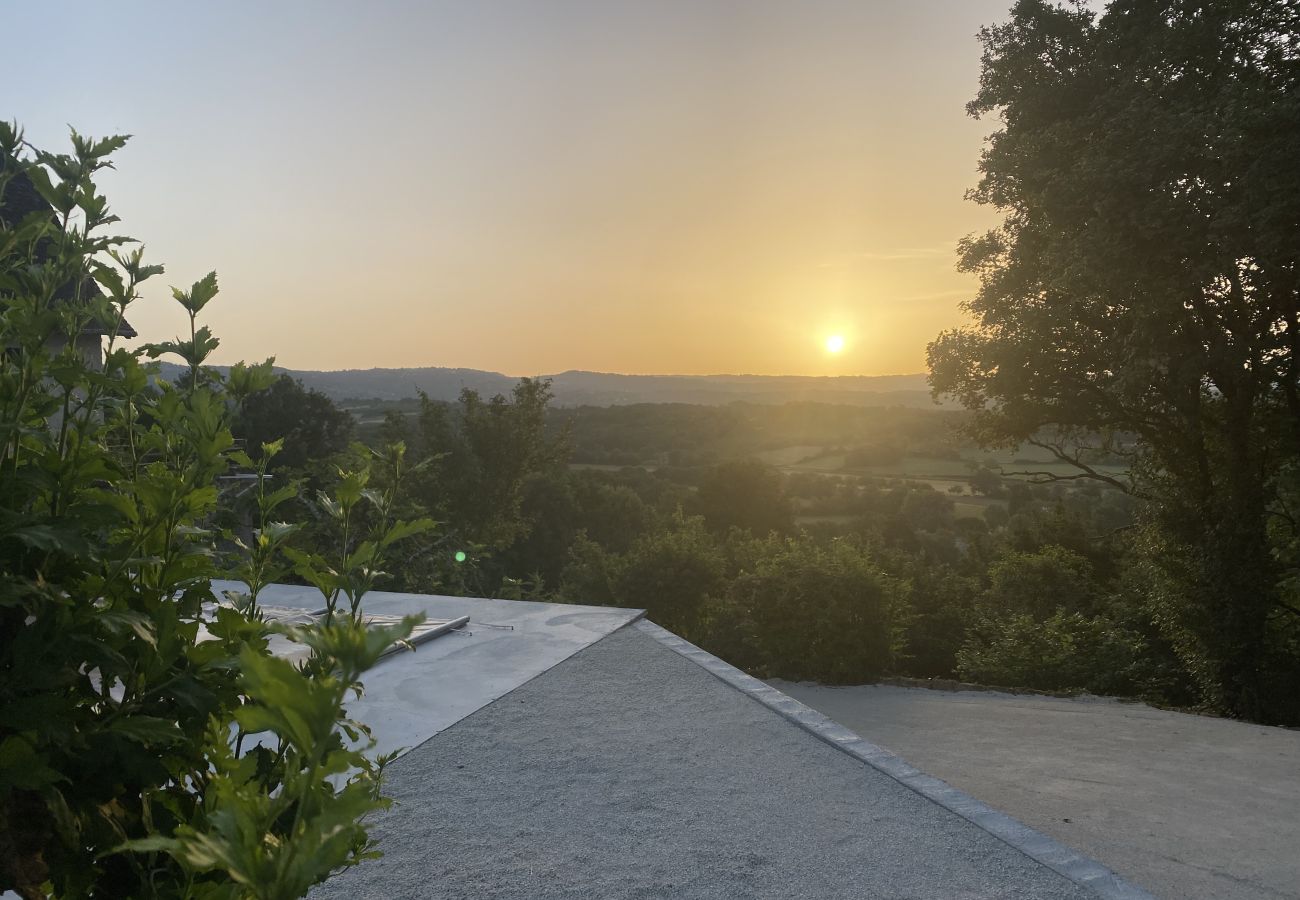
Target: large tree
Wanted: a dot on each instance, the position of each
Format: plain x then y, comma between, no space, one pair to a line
476,462
1142,294
745,493
307,421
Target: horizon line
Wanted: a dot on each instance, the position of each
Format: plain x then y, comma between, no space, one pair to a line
277,366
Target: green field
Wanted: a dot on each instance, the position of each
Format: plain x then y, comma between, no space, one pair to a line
940,473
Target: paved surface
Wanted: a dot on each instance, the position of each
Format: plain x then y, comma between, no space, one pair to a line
410,697
1185,806
627,771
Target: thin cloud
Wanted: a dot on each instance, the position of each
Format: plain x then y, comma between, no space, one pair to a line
896,254
907,253
941,295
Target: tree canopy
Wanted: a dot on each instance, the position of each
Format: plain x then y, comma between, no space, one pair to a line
744,493
307,421
1141,296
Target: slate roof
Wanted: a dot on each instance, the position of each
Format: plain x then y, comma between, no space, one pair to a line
19,200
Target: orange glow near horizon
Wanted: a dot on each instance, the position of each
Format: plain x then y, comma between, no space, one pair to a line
528,188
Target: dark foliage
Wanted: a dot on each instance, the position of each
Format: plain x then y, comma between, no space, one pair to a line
308,423
140,756
744,494
1141,298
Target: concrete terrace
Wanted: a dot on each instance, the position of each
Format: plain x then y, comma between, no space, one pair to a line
588,753
1191,807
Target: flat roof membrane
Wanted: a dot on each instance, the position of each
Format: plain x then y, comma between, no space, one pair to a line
411,696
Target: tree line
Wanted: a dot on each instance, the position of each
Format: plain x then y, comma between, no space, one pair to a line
1046,590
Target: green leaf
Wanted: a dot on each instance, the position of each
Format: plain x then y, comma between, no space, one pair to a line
199,293
203,345
107,146
280,495
52,538
118,619
58,196
245,379
22,767
351,486
154,843
298,709
404,529
148,730
275,532
111,280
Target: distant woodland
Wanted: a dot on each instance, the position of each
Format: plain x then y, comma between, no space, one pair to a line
803,541
611,389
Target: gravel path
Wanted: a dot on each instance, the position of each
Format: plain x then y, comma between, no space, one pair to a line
1188,807
628,771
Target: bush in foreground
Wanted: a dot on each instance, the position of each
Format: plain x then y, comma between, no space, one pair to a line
149,746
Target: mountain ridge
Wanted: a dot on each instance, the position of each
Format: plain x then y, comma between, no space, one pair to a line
577,387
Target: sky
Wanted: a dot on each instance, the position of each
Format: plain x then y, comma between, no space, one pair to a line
665,186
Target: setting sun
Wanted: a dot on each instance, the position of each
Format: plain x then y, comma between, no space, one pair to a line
835,343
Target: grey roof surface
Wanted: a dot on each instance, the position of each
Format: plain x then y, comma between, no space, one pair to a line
628,770
410,697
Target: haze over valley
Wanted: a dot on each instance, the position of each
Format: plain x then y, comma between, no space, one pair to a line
575,388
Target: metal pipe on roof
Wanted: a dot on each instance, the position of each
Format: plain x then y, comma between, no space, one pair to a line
438,629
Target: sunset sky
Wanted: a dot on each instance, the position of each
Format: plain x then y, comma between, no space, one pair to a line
528,187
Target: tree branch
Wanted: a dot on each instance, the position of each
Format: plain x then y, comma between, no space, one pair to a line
1085,471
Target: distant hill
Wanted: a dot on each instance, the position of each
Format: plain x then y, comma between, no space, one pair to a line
607,389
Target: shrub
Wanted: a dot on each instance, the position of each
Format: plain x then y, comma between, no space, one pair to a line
1040,582
1067,651
138,757
670,574
823,613
941,607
